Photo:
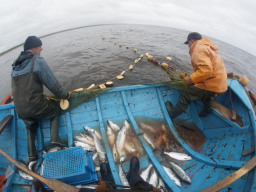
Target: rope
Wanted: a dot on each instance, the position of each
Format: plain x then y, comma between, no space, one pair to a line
166,68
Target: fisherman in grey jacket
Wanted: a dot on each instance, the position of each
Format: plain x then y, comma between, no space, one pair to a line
29,73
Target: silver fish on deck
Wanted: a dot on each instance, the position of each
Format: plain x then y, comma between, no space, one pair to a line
153,180
115,153
122,176
85,146
96,161
25,175
127,124
145,174
129,147
148,127
99,148
88,138
161,185
178,156
53,149
111,136
149,140
113,126
172,176
180,172
84,140
93,131
31,165
89,186
120,142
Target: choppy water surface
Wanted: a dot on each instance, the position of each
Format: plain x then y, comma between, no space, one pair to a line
80,57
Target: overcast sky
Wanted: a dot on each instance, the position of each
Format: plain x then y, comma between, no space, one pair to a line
231,21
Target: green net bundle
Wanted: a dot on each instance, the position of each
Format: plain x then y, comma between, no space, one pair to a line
78,98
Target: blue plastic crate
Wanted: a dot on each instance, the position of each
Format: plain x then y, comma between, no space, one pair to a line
73,166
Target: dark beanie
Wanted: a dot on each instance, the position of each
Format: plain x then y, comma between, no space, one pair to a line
32,42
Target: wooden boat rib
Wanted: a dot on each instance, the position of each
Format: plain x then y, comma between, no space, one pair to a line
219,156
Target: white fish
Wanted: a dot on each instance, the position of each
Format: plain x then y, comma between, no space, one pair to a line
153,178
96,161
129,147
111,136
52,150
122,176
93,131
180,172
161,185
115,153
85,146
127,124
113,126
172,176
178,156
99,148
145,174
148,127
42,168
88,138
84,140
149,140
31,165
89,186
120,142
25,175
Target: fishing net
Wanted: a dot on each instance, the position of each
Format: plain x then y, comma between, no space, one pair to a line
77,98
176,82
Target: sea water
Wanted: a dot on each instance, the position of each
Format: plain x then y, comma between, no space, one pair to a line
81,57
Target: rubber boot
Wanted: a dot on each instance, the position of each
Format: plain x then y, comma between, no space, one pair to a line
31,133
173,112
106,174
133,176
207,109
55,139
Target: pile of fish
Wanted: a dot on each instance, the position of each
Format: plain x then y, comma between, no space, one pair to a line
90,140
156,137
123,141
174,171
150,175
31,167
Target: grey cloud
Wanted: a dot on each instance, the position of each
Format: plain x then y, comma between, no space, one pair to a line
229,21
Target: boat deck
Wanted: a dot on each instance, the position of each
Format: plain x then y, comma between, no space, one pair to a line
217,153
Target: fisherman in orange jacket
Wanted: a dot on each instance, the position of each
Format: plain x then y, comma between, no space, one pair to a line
208,79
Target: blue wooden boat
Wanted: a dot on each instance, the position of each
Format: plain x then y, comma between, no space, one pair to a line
216,148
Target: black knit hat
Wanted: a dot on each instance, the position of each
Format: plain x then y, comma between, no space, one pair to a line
32,42
193,35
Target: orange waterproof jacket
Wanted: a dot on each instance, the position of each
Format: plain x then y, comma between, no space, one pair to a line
209,71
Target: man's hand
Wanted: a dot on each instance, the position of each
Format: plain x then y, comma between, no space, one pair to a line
188,80
69,95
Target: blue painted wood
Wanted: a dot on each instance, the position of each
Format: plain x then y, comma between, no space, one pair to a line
14,144
155,162
200,157
69,128
238,89
107,147
225,141
195,117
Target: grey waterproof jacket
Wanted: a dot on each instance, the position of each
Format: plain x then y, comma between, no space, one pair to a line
23,66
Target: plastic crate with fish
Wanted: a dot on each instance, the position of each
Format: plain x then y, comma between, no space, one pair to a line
73,166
